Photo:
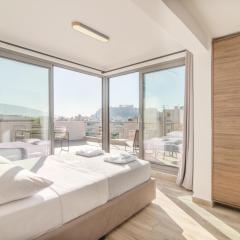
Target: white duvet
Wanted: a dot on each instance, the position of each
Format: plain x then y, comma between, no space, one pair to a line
120,177
30,217
73,193
79,190
80,185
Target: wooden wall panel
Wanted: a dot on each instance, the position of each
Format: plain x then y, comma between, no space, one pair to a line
226,120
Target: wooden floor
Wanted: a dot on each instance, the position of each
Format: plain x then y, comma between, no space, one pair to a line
174,216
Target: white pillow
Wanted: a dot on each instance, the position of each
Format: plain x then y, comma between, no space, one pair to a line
89,151
17,183
4,160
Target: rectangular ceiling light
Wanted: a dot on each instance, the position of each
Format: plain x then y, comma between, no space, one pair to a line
89,31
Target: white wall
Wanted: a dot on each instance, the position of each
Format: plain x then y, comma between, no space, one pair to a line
76,129
202,184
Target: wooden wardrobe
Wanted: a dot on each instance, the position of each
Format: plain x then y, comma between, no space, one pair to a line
226,120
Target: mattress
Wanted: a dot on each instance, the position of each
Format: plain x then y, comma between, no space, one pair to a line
121,177
29,218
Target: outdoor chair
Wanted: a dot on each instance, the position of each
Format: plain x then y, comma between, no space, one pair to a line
61,134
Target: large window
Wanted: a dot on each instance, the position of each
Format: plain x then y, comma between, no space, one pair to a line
24,110
163,115
77,110
123,111
27,125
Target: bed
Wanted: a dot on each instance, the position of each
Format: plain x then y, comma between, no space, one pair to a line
88,198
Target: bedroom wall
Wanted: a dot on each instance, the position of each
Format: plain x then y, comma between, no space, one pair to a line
202,182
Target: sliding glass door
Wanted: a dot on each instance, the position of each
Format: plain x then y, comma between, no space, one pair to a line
77,110
124,112
163,108
24,110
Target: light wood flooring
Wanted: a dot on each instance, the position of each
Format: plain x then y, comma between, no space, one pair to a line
174,216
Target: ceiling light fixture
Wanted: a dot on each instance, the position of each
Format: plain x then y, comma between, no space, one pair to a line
89,31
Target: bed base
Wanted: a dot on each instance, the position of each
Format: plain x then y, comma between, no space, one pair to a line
100,221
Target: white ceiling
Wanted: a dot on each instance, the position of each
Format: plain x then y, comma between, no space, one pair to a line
46,26
217,17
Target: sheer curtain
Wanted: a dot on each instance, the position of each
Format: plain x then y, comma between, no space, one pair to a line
185,172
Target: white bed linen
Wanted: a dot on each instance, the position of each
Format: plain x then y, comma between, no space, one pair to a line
79,189
80,185
30,217
121,177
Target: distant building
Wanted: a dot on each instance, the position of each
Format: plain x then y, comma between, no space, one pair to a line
172,120
161,122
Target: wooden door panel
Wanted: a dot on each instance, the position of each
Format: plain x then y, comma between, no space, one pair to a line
226,120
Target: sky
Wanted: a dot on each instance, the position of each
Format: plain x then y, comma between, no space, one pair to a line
77,93
124,90
23,85
165,87
85,97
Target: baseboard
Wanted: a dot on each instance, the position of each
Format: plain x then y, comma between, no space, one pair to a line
203,202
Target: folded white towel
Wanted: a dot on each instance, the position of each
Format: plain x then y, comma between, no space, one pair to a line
31,140
121,158
89,151
126,155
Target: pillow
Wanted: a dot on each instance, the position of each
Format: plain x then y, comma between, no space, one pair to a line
4,160
89,151
17,183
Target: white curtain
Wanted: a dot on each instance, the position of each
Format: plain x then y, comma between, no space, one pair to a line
185,172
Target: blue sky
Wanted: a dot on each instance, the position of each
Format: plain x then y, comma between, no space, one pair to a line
77,93
85,96
23,85
124,90
165,87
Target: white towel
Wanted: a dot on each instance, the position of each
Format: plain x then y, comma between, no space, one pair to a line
126,155
89,151
121,158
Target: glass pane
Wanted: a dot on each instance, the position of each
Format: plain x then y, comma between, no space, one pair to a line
24,110
163,115
77,110
124,109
